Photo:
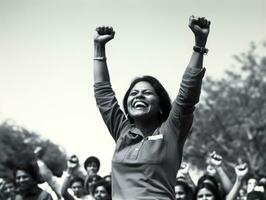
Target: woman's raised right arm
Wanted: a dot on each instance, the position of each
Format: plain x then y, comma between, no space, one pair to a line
102,35
106,101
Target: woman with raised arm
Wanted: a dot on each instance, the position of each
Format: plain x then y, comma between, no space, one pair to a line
151,133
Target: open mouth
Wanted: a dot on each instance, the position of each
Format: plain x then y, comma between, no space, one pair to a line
140,104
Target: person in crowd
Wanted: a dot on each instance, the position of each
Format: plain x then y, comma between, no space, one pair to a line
9,189
183,191
78,169
206,178
60,186
75,183
151,133
255,188
91,181
2,182
216,161
101,190
108,178
184,175
27,180
255,195
226,189
47,175
241,171
262,183
251,183
242,194
77,186
92,165
206,191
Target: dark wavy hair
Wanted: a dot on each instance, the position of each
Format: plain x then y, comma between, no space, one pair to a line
103,183
208,179
210,187
164,99
90,160
77,179
26,161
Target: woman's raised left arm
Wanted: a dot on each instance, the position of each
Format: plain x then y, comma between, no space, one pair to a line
181,115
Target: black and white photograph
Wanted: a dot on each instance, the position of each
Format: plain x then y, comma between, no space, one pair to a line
132,100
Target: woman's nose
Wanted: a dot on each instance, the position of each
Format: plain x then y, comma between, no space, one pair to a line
140,95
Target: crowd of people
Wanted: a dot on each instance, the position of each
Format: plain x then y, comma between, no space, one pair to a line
35,181
82,182
217,184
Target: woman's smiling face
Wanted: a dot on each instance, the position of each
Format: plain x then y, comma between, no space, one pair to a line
143,102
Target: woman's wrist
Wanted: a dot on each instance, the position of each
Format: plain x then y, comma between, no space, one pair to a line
99,49
201,50
201,42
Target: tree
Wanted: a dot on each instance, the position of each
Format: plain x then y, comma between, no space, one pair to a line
15,141
231,117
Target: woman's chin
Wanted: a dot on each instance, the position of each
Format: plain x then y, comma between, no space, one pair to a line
140,115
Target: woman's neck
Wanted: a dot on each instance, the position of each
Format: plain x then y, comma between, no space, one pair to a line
147,127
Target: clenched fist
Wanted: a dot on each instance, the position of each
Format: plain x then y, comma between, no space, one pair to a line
103,34
200,26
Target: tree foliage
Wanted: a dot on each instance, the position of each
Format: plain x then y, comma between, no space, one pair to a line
16,141
231,117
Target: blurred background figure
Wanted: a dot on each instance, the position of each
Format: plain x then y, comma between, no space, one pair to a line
9,189
101,190
183,191
27,179
207,191
92,165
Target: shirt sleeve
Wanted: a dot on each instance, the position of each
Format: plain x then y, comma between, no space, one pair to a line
190,89
112,115
181,115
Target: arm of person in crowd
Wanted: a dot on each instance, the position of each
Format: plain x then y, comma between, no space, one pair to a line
102,36
216,162
240,170
47,174
71,166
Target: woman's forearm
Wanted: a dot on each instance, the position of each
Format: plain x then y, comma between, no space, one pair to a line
196,60
101,72
102,36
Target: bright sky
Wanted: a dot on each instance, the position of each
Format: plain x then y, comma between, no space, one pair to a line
46,56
